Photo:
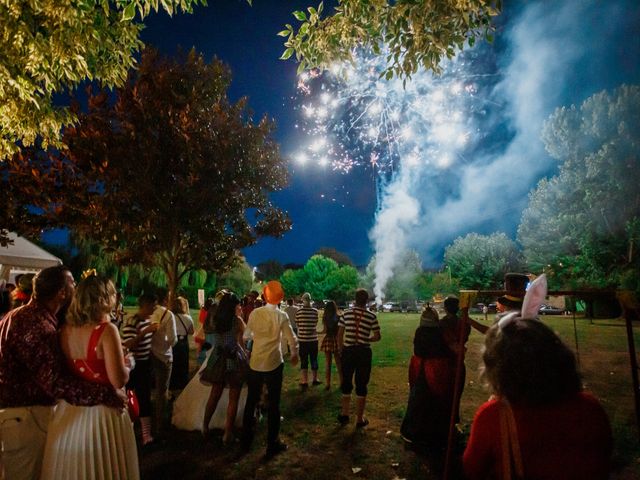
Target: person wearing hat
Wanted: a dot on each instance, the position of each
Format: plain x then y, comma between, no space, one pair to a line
307,321
515,285
266,327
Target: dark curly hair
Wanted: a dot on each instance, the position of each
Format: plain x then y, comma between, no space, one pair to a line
527,363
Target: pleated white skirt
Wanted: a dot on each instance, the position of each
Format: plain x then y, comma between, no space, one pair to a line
188,409
90,443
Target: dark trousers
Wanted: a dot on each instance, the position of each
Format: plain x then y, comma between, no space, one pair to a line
180,367
356,360
255,380
308,352
140,382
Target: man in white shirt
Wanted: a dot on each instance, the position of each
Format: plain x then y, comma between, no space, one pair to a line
164,338
266,327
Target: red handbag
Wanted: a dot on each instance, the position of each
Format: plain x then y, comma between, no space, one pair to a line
132,405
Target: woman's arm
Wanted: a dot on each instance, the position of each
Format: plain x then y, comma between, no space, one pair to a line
117,371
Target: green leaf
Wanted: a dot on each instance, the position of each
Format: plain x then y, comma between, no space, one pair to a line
287,54
300,15
129,12
283,33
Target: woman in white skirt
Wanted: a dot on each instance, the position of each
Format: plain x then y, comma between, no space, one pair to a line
91,443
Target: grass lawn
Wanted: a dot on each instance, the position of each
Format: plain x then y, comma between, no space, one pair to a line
319,449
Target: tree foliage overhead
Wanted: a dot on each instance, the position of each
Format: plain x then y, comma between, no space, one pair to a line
34,184
50,46
583,224
480,261
410,33
177,175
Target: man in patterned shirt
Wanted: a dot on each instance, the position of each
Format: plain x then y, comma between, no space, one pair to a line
357,328
33,375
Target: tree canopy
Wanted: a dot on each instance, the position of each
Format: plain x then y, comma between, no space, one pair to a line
583,224
176,175
323,278
50,46
411,34
480,261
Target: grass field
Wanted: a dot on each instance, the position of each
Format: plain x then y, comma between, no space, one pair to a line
319,449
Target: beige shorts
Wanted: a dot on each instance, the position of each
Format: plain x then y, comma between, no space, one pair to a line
23,434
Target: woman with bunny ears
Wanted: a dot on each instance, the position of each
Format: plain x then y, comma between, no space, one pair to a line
539,423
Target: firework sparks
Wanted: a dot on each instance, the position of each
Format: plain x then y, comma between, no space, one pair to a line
354,118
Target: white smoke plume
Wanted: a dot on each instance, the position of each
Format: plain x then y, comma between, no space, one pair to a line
558,53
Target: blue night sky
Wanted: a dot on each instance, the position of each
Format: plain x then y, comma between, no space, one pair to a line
546,54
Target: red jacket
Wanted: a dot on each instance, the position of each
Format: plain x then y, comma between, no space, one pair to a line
565,441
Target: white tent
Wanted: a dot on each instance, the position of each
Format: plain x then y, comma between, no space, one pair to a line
23,256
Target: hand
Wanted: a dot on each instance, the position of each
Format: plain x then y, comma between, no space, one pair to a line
121,393
130,361
294,359
150,328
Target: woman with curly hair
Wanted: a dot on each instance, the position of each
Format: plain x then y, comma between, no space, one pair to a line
98,441
539,423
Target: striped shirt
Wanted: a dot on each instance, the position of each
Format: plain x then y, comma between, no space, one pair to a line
130,330
307,321
358,324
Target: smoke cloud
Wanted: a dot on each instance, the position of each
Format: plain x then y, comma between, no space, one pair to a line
551,54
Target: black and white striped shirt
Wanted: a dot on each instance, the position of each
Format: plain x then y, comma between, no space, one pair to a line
307,321
358,324
130,330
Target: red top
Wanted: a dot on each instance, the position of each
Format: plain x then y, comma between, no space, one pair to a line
92,368
565,441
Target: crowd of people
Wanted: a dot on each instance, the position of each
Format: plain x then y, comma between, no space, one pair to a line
67,408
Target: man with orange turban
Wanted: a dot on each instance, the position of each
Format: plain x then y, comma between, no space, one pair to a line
267,326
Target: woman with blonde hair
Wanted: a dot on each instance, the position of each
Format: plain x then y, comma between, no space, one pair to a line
98,441
184,328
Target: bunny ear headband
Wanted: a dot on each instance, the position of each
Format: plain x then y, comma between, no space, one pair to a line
534,297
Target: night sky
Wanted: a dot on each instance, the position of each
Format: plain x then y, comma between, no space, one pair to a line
534,41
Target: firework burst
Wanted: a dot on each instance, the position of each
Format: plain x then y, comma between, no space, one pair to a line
351,117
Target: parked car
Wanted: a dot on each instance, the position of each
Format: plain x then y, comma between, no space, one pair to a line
410,307
550,310
391,307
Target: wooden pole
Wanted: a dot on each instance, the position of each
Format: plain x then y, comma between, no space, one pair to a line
465,301
630,312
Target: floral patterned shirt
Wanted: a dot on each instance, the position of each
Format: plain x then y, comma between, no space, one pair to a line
33,369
